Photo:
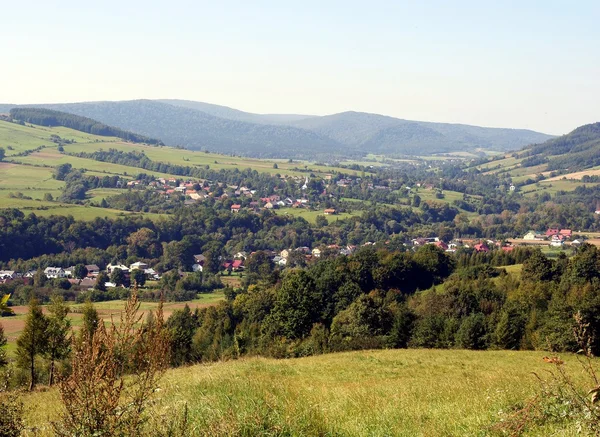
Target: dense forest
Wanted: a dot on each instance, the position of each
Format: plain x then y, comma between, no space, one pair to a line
48,117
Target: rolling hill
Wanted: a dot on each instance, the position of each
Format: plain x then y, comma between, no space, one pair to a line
235,114
203,126
197,130
382,134
577,150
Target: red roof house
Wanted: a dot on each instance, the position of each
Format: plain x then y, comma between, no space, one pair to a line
481,247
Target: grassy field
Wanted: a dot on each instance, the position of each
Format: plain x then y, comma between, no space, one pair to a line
415,392
14,325
311,216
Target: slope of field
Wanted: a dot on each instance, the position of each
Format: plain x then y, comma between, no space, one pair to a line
368,393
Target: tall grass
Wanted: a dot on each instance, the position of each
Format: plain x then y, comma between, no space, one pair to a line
368,393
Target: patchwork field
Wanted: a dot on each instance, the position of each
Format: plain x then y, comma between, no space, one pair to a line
417,392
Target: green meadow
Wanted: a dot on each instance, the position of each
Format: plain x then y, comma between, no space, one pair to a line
414,392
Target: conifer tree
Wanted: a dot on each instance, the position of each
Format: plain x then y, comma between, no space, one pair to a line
59,328
90,320
32,341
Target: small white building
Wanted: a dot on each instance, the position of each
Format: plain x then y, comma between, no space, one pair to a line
54,272
138,265
111,267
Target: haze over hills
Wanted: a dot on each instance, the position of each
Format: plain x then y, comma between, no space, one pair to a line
203,126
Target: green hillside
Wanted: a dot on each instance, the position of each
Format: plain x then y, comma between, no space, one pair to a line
32,153
369,393
559,164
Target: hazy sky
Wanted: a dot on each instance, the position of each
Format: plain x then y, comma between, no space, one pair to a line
519,64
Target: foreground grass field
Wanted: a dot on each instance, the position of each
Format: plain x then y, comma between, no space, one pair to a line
369,393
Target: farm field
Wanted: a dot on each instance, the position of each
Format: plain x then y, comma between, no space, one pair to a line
13,325
554,186
407,392
311,216
214,160
27,137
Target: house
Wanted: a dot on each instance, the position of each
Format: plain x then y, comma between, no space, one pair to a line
87,283
316,252
69,271
329,211
576,243
54,272
92,270
199,259
597,211
508,248
567,233
557,243
197,268
285,253
441,245
269,205
481,247
7,274
531,235
512,188
237,264
240,255
552,231
282,262
138,265
236,208
111,267
151,274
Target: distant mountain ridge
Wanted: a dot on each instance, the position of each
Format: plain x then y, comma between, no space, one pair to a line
235,114
204,126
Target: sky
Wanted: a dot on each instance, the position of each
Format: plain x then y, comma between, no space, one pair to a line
518,64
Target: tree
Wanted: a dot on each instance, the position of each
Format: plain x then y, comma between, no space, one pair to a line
48,197
182,326
139,277
3,341
472,332
91,320
321,221
58,338
537,268
2,153
32,341
101,281
117,277
61,171
80,271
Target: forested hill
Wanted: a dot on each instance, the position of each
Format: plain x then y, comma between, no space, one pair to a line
203,126
236,114
193,129
381,134
48,117
577,150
